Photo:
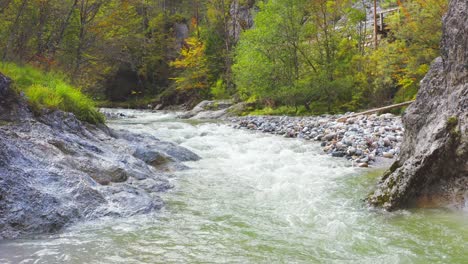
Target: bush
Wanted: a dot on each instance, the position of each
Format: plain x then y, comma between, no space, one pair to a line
51,90
219,91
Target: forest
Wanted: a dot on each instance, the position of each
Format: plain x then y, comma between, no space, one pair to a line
294,57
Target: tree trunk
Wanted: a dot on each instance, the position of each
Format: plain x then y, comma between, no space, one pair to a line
54,46
13,29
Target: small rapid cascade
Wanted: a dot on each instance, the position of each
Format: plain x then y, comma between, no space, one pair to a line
254,198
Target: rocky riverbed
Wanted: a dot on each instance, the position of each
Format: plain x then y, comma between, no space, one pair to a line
361,139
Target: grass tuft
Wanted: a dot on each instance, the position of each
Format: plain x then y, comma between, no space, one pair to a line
51,90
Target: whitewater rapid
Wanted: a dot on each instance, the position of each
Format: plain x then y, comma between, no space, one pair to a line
254,198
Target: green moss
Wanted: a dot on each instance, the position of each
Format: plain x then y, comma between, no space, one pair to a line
391,183
213,106
452,122
382,199
52,91
392,169
379,200
385,197
5,123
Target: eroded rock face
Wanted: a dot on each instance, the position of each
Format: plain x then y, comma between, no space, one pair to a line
433,167
55,170
241,18
214,110
182,32
11,106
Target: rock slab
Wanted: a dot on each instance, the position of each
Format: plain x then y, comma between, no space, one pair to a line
56,170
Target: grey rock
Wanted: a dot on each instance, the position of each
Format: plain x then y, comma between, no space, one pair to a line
433,166
363,165
217,109
338,154
329,137
56,170
241,17
388,155
181,33
158,107
351,151
334,136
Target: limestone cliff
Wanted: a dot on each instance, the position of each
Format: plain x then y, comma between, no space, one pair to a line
241,17
433,167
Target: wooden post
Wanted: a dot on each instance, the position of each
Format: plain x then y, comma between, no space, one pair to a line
375,24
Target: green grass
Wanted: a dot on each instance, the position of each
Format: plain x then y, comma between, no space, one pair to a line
52,91
316,109
281,110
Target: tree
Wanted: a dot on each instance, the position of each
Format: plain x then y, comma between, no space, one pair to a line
300,52
192,65
395,69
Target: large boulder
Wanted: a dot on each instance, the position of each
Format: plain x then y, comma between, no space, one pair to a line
206,107
217,109
433,167
56,170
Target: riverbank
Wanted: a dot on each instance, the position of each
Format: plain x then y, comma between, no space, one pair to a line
361,139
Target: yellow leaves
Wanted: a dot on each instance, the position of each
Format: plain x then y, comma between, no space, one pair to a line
191,54
193,63
330,4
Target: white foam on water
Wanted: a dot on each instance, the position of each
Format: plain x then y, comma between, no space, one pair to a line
254,198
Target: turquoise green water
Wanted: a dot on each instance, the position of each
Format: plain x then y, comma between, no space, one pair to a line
255,198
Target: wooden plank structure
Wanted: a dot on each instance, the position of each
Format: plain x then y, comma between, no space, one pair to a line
381,15
378,25
375,110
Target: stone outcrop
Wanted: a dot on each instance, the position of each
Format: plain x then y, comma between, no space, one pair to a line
181,32
56,170
241,17
215,109
433,167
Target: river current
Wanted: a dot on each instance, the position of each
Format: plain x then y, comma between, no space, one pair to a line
254,198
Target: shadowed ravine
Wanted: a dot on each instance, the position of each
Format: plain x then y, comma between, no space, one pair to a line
254,198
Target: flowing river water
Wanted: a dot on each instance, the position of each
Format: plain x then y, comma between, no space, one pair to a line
254,198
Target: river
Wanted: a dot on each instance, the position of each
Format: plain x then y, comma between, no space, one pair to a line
254,198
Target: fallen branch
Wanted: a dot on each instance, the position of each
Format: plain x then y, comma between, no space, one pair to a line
375,110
